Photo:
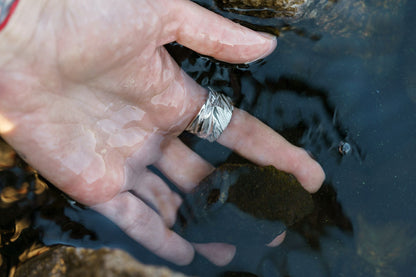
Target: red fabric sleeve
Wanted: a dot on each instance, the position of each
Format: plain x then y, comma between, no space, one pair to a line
12,8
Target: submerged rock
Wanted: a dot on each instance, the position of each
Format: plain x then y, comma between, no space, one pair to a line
385,247
240,202
267,8
69,261
337,17
7,155
380,249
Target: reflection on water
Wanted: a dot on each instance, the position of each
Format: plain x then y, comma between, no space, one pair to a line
345,75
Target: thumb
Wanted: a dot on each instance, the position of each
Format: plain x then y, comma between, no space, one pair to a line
211,34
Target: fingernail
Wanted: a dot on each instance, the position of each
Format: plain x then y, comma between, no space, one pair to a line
267,35
273,44
277,240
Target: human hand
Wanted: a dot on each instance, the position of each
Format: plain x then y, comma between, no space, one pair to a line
90,98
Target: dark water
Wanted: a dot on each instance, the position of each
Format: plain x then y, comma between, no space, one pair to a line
322,86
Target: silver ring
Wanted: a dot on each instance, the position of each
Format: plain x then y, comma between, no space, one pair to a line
213,118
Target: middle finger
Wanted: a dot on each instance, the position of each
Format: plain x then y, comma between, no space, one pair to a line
182,165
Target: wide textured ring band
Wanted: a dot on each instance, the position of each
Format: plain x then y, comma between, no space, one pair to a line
213,118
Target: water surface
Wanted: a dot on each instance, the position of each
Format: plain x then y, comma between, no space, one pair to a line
318,89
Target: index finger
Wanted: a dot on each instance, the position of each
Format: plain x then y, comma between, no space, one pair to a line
257,142
211,34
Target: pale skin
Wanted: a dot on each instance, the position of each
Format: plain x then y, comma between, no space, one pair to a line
90,97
